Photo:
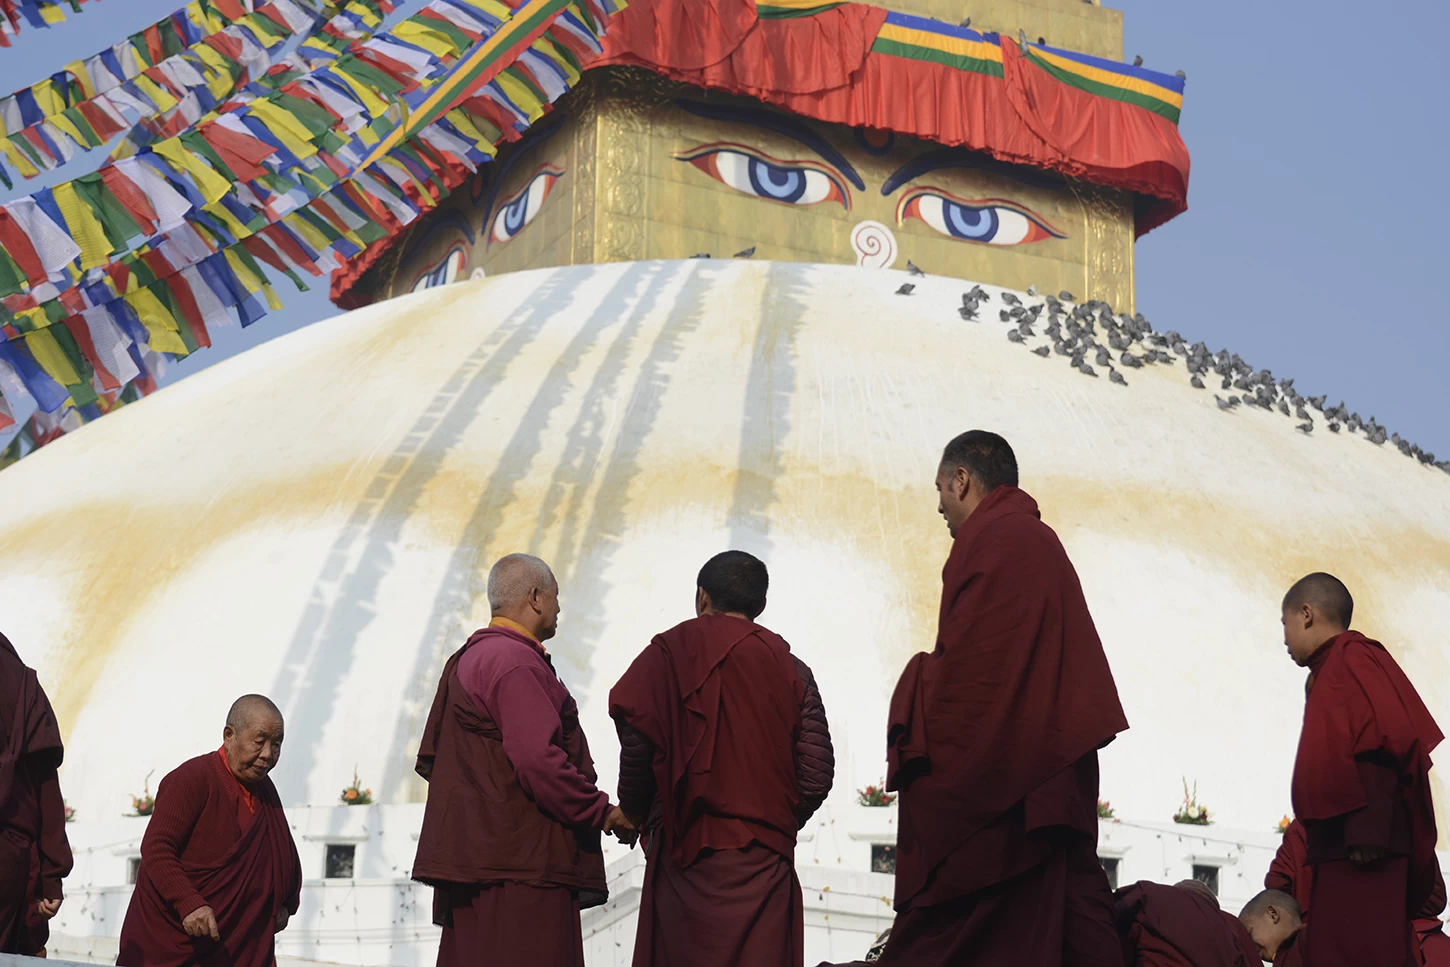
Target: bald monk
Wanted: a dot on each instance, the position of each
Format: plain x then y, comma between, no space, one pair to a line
725,754
510,840
1179,926
1291,873
1361,785
993,740
34,853
219,873
1275,925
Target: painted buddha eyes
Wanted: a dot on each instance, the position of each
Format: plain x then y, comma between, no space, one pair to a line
756,173
517,211
991,221
447,271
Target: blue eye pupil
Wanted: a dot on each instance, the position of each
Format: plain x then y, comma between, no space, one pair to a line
773,181
513,214
964,221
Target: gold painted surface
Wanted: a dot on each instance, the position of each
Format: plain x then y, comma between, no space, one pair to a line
626,195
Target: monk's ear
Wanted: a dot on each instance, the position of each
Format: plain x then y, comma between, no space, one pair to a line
702,601
1273,914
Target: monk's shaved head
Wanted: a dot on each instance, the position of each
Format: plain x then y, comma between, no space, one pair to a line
1197,886
1326,594
516,576
735,582
1278,900
248,709
986,456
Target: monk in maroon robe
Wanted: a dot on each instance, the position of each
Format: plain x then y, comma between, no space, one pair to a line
993,741
1275,926
1361,785
219,872
34,853
725,754
1179,926
510,840
1292,873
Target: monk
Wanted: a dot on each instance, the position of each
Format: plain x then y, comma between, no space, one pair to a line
1291,872
1275,924
725,754
511,832
1361,785
993,741
1179,926
34,853
219,873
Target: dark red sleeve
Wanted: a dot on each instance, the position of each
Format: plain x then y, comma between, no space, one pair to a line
636,771
532,733
55,853
815,759
1375,823
180,800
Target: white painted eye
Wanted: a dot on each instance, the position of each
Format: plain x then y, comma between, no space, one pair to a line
797,185
445,272
521,209
988,223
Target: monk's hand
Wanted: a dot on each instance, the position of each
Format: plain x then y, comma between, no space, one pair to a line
618,825
1365,855
201,922
282,917
48,908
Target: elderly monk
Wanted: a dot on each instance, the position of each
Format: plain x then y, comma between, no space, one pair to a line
34,853
510,840
219,872
993,741
1361,785
725,747
1274,922
1179,926
1291,873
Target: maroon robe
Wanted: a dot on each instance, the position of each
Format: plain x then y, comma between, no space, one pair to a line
720,700
993,741
510,839
1361,778
1169,926
34,853
211,842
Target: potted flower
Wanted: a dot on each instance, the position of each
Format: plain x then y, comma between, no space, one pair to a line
70,812
874,796
1191,813
1283,826
1105,810
355,794
144,804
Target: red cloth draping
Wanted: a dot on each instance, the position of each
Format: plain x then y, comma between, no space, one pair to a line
1169,926
1017,690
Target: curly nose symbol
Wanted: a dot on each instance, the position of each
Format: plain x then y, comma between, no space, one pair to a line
874,245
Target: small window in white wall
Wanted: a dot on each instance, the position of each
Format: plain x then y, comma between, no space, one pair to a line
1110,867
1207,875
133,870
883,858
340,858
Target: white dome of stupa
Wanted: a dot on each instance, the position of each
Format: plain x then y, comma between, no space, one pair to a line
315,519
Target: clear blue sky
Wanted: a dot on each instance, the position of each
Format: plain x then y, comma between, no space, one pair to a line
1315,242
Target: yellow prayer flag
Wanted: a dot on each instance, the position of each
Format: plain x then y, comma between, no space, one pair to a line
84,227
211,184
51,357
159,322
296,138
521,96
159,95
435,41
18,159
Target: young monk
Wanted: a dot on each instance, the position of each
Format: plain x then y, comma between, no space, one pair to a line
1361,785
993,740
724,747
510,838
1179,926
219,871
1274,923
34,853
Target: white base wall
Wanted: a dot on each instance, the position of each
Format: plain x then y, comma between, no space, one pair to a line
380,917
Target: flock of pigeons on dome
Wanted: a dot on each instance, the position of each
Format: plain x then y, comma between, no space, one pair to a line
1092,337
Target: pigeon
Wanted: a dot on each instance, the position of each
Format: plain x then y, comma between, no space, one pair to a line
1197,383
1004,315
1116,377
1011,299
1138,61
1333,427
1284,407
700,255
1223,404
1300,412
1305,428
1319,401
1032,291
906,288
1043,351
965,23
1180,75
978,293
1015,336
911,267
968,313
1026,330
1103,356
1234,401
1066,296
744,253
1131,361
1087,370
1227,383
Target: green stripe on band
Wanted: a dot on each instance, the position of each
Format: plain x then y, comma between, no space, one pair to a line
1153,104
976,65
